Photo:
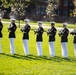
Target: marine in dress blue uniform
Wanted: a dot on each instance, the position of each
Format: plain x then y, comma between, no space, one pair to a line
1,27
51,33
26,29
64,39
39,38
12,28
74,41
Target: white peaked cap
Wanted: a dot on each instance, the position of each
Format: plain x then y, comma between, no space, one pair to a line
40,22
64,24
52,22
13,19
26,20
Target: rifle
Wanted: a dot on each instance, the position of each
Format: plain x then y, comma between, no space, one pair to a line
73,32
61,32
22,29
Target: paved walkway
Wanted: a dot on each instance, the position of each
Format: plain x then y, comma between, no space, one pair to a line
47,27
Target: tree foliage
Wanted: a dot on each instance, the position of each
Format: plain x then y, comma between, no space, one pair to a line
51,7
18,6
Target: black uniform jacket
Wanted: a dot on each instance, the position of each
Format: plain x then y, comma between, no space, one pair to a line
25,31
51,32
64,35
74,34
39,33
1,26
12,28
74,41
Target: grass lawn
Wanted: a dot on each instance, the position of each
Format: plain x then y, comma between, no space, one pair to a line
20,64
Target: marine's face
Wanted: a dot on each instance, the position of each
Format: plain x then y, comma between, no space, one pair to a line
40,24
26,22
52,25
13,21
64,26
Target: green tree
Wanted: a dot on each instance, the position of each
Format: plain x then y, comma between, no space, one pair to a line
17,7
51,7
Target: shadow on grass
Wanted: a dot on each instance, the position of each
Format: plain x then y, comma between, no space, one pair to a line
33,57
1,73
